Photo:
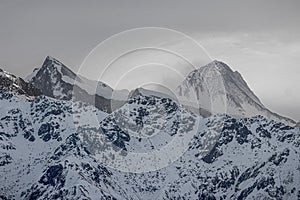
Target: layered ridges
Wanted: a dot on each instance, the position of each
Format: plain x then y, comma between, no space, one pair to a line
248,158
49,148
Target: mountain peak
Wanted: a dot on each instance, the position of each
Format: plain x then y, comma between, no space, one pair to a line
56,80
53,64
50,59
53,78
217,62
220,66
224,90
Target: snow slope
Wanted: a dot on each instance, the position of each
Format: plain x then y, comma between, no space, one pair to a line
217,89
50,150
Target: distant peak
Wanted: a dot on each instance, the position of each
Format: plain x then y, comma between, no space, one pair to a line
216,61
50,58
49,61
219,65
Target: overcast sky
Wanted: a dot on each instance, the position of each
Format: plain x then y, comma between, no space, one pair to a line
260,39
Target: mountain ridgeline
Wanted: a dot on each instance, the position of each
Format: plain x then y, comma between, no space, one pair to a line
56,80
217,88
54,145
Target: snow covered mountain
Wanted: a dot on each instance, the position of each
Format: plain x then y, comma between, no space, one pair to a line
56,80
49,150
150,147
211,89
218,89
11,83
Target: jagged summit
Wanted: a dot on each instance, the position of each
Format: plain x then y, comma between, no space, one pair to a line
219,89
219,65
51,63
52,59
49,79
56,80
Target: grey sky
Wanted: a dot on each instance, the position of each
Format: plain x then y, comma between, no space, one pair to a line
258,38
